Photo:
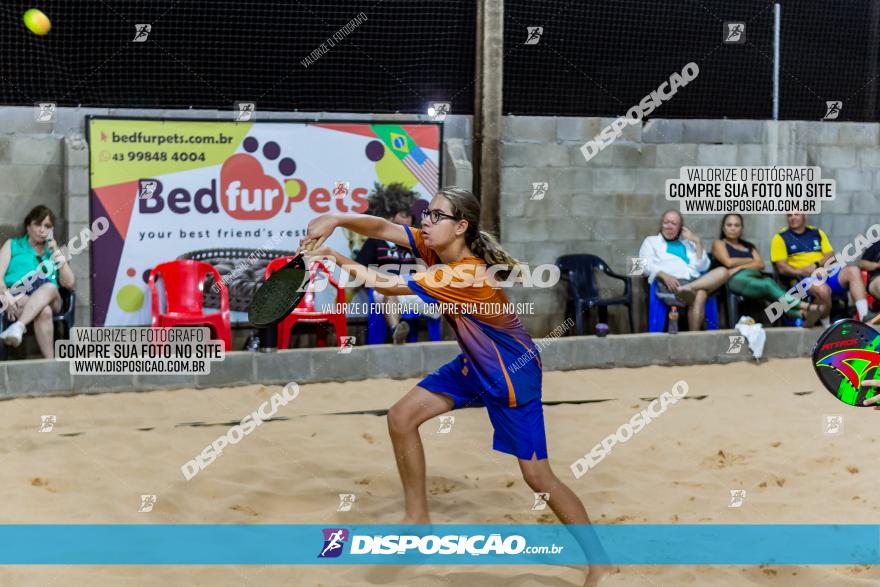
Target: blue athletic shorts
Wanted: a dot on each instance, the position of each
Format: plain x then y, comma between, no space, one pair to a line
519,431
833,282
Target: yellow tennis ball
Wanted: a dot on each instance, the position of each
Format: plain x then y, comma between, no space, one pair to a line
37,22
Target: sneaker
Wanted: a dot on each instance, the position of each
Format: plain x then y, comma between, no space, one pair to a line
12,335
400,332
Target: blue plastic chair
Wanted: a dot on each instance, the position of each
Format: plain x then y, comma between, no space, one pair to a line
658,312
377,328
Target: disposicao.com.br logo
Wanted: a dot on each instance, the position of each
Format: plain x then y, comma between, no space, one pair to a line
446,544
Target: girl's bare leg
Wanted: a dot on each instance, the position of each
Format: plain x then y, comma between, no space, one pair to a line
570,510
404,419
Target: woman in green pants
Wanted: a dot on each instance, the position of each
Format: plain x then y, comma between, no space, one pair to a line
744,265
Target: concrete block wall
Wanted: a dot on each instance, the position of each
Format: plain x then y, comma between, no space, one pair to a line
76,212
607,205
47,163
31,168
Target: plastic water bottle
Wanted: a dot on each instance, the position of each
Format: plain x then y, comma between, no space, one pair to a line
673,320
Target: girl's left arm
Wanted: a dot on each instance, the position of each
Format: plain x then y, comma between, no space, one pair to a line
385,283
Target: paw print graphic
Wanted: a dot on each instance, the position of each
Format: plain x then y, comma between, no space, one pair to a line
271,151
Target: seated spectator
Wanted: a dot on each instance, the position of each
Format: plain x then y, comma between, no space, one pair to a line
799,250
870,262
677,260
744,265
393,202
33,269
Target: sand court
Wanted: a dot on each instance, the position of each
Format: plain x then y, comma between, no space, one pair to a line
757,428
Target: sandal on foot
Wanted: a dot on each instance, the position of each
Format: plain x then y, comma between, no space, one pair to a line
685,296
811,313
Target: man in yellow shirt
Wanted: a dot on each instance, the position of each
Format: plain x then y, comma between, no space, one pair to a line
801,249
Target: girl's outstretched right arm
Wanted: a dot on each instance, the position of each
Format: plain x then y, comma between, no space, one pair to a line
322,227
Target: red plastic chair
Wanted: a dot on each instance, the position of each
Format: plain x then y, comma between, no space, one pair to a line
184,282
306,312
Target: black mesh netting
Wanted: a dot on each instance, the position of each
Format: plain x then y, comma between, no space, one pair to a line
400,55
593,58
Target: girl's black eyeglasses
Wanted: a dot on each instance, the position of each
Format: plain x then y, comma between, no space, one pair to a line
436,215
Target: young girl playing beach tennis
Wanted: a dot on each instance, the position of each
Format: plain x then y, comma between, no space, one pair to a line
457,252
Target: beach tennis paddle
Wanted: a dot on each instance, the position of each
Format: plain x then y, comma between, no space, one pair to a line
279,294
846,355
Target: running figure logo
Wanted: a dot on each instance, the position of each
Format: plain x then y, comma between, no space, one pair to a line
541,500
438,111
346,501
736,344
47,423
637,265
340,189
832,109
44,111
245,111
147,189
147,503
539,190
346,344
734,33
534,34
334,540
142,32
737,497
832,424
446,423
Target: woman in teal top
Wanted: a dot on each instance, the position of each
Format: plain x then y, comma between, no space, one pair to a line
33,268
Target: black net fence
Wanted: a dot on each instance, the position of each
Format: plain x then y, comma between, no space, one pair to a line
601,58
561,57
380,56
830,53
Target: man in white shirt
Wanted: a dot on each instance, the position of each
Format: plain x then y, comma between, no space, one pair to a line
677,260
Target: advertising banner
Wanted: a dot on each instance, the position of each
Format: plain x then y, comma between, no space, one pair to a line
191,189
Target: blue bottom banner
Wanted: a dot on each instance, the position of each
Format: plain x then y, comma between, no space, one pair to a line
520,544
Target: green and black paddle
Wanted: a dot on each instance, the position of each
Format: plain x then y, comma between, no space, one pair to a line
846,355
